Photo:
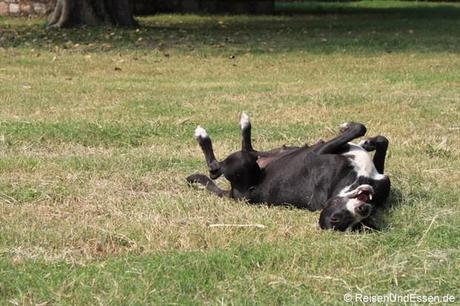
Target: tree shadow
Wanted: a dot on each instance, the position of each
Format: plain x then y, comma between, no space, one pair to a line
340,29
392,8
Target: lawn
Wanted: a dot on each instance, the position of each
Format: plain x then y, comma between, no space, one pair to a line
96,138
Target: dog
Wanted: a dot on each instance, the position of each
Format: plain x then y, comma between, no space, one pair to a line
338,177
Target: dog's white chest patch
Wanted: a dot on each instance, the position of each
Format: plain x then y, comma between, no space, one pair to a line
362,162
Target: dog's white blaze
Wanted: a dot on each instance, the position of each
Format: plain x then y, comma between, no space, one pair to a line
351,206
362,162
244,120
200,132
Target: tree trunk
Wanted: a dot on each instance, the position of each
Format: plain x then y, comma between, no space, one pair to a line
69,13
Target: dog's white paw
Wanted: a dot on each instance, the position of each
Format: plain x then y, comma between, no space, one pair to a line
244,120
344,126
200,132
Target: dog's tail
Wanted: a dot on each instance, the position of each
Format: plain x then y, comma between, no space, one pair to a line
208,183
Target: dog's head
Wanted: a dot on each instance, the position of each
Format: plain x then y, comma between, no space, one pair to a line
242,170
347,209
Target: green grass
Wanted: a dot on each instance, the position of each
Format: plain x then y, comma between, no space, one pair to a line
96,129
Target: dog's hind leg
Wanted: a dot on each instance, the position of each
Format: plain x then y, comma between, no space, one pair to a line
205,143
208,183
350,131
380,145
245,124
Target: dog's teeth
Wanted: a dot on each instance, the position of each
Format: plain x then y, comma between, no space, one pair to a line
370,197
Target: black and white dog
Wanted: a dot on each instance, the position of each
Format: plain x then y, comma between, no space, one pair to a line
337,177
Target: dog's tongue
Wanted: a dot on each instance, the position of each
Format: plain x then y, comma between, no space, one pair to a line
364,197
363,193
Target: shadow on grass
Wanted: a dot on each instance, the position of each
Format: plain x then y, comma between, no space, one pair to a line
399,8
323,29
395,199
382,219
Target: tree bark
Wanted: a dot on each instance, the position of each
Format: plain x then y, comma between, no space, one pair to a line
69,13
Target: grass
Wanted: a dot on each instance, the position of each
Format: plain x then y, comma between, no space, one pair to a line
96,138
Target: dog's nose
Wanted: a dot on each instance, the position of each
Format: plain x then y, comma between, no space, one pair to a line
363,209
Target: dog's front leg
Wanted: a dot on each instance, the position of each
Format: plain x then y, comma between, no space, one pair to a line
380,145
208,183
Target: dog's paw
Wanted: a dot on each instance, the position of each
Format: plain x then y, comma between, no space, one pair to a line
348,125
345,126
200,133
374,143
245,121
358,128
197,180
192,179
367,145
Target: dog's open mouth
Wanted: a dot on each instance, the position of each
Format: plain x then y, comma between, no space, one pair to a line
364,195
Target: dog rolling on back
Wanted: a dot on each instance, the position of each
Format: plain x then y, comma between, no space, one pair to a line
336,177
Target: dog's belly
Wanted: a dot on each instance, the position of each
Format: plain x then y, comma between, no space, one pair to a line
304,180
362,162
366,172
